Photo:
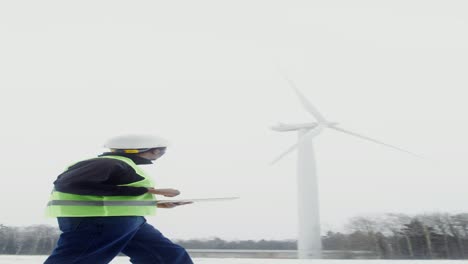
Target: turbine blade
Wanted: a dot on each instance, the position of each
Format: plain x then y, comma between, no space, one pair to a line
373,140
309,135
306,103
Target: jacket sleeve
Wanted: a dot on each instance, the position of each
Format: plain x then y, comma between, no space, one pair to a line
99,178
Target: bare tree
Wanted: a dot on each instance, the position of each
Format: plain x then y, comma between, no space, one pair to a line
461,221
439,222
370,227
456,231
427,223
394,223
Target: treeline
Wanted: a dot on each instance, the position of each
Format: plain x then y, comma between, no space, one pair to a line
217,243
399,236
390,236
30,240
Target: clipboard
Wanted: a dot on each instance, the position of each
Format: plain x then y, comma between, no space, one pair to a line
216,199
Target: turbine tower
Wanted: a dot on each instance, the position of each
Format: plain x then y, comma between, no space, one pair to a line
309,237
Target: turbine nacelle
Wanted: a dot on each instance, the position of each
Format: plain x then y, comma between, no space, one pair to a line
281,127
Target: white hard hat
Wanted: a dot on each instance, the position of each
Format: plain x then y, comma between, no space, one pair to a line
135,143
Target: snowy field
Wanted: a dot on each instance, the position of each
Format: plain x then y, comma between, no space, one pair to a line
122,260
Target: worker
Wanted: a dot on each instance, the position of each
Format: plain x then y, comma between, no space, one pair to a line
101,204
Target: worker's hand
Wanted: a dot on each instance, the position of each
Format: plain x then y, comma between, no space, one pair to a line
165,192
171,205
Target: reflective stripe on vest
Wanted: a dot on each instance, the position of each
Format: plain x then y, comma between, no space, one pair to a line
67,204
101,203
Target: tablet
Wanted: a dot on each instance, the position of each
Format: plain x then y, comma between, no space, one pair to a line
197,200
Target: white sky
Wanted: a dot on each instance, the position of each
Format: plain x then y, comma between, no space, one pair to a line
206,75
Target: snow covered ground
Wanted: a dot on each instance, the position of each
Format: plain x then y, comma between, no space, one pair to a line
122,260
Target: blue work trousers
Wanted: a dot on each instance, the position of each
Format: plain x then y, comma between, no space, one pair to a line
97,240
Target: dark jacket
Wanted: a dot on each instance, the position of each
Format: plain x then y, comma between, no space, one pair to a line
101,177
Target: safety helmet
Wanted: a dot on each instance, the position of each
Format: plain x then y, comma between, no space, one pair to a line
135,143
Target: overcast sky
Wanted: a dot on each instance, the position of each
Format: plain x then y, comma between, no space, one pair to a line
207,76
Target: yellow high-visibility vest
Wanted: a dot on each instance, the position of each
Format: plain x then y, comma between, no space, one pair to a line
74,205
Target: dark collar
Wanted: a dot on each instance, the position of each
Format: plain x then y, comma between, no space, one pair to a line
135,158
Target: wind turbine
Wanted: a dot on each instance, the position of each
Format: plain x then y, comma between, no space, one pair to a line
309,237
